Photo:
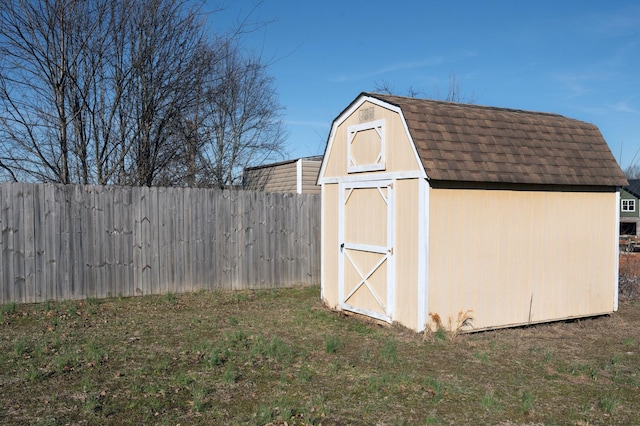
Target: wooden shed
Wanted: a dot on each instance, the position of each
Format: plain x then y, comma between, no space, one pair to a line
435,207
296,176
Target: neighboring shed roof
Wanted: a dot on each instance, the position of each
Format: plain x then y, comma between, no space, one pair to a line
280,163
633,188
471,143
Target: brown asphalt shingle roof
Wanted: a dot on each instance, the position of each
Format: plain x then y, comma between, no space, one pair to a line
471,143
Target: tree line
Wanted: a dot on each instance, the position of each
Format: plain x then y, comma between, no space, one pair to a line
130,92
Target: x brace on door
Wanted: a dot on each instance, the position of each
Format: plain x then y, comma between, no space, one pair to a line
363,280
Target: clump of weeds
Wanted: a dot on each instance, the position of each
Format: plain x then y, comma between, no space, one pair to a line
436,329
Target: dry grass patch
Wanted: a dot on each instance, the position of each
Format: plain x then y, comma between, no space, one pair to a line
276,356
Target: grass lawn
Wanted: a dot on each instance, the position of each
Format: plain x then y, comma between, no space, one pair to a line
277,356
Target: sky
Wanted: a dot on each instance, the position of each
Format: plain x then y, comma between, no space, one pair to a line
577,58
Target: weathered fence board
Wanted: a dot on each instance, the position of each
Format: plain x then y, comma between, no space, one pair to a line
7,245
70,242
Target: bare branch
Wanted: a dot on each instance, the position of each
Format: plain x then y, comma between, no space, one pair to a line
130,92
455,92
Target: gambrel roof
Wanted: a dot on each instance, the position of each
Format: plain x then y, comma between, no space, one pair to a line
472,143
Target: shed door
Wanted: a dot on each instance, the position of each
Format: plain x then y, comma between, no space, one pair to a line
366,248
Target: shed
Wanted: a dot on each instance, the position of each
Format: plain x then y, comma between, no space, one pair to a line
297,176
441,208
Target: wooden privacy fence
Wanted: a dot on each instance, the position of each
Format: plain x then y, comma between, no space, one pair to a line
72,242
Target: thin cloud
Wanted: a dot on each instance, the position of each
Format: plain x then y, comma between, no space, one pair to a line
609,108
401,66
619,23
578,84
623,106
621,55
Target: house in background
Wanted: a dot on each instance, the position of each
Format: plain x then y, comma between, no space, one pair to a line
629,208
296,176
442,208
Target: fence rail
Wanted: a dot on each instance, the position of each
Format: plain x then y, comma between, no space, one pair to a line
71,242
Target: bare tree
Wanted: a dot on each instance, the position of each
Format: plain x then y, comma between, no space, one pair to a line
243,120
384,87
165,40
44,45
455,92
62,89
129,92
632,171
187,127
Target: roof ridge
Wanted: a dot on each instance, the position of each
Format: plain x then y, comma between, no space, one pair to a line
382,96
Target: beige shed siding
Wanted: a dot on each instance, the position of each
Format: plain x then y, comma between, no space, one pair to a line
280,178
309,176
284,177
399,152
515,257
330,252
406,252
